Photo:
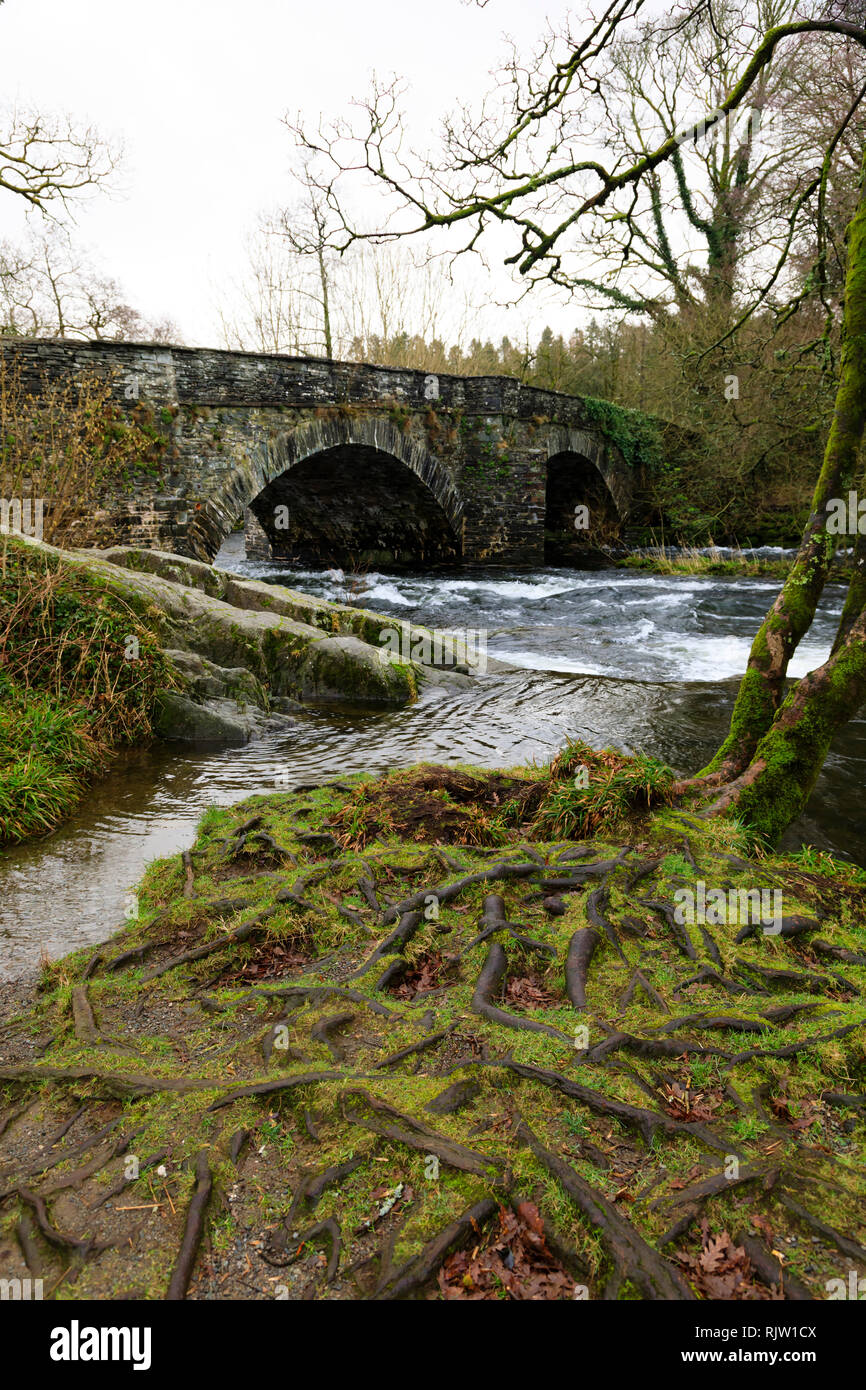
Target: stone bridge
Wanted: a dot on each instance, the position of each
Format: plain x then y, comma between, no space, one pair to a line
347,464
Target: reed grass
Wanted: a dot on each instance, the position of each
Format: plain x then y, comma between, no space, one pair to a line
70,693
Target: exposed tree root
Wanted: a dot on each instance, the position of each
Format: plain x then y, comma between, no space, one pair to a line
322,992
357,1104
770,1272
489,983
418,1271
839,1098
118,1187
707,975
420,1046
493,917
25,1236
282,1083
84,1022
681,936
696,1051
328,1228
639,980
120,1084
78,1176
633,1260
596,915
842,1242
787,927
652,1047
804,1045
323,1030
178,1284
222,943
580,953
721,1023
718,1183
807,980
837,952
455,1097
446,892
315,1184
55,1237
395,942
646,1122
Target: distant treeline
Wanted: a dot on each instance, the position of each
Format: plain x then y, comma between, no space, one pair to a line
760,404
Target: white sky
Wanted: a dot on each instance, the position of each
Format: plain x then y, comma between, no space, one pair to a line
196,90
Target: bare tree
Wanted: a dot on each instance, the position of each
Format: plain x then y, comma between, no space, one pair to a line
306,229
298,295
704,224
51,162
524,163
263,311
49,287
391,301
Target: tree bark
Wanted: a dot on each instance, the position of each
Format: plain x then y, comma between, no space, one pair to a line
776,785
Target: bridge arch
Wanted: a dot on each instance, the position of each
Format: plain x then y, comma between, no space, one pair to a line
588,492
350,488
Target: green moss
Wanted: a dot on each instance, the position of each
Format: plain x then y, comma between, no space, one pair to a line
636,435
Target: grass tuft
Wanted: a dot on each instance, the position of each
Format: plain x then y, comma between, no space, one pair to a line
78,678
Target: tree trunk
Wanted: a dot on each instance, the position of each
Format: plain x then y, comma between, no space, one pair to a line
762,688
326,303
776,785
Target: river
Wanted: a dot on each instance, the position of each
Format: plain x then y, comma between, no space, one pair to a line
637,660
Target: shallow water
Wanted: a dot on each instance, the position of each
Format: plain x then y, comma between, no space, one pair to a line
640,661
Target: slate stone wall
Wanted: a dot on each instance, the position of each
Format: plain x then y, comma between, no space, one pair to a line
234,422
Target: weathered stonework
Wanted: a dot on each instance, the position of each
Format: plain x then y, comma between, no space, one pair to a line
365,462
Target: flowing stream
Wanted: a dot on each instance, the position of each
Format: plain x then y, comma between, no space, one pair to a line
637,660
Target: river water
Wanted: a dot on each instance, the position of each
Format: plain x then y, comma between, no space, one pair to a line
637,660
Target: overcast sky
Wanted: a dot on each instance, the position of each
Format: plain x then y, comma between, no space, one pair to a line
196,89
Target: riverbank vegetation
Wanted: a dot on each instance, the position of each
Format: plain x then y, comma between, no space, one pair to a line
61,447
704,560
324,1066
102,648
79,675
727,560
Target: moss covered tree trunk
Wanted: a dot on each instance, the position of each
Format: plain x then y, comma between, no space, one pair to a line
776,785
763,686
760,723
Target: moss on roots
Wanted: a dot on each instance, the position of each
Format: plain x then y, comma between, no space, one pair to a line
315,1059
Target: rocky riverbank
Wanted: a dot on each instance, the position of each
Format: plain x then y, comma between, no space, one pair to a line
111,647
443,1034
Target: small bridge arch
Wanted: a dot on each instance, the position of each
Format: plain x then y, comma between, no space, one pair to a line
354,488
588,495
